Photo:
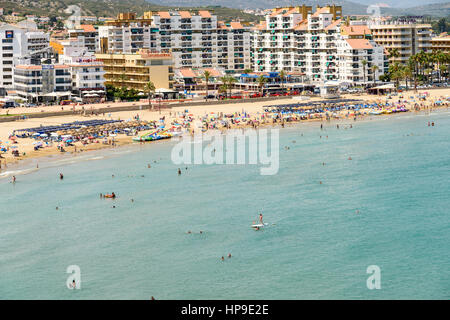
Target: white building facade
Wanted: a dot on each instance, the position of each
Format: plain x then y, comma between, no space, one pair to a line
311,44
38,83
87,72
196,40
18,44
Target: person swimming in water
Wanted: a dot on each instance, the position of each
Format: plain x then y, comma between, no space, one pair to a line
61,176
113,195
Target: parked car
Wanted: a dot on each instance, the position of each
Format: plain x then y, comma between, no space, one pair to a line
210,96
255,95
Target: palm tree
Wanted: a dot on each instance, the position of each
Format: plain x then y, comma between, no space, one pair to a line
395,71
374,70
282,76
364,63
393,53
413,64
207,75
407,74
150,90
261,81
224,87
443,69
423,60
231,81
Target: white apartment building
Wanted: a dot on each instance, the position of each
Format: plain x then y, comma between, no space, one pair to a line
87,35
87,72
196,40
296,40
233,47
352,53
38,83
407,38
355,47
19,43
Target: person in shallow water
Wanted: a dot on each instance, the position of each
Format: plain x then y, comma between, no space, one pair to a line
261,218
179,171
61,176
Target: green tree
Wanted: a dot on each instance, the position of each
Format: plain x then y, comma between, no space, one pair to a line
374,70
261,80
150,89
393,53
396,74
123,77
207,75
364,64
225,85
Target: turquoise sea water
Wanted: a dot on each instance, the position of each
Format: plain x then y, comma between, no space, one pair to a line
315,247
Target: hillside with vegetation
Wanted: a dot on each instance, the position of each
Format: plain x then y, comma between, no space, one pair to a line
108,8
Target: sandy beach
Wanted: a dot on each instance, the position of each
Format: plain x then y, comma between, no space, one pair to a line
255,109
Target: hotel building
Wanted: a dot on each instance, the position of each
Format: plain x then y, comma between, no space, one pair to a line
295,39
441,43
19,43
87,35
407,38
135,70
358,53
196,40
40,83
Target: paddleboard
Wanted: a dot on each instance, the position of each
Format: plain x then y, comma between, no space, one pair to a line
259,225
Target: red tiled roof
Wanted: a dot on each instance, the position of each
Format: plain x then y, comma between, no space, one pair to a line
333,25
87,28
359,43
213,72
185,14
302,25
321,10
164,14
355,30
236,25
187,73
204,14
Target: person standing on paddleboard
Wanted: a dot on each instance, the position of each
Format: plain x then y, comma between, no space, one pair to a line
261,218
